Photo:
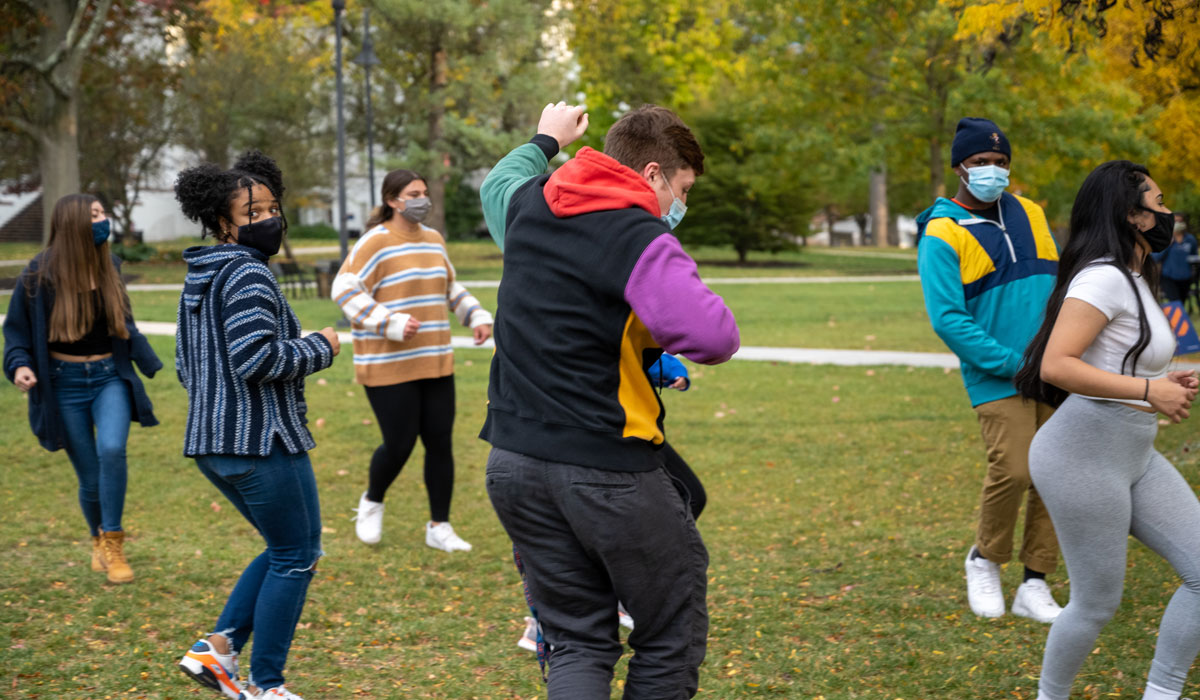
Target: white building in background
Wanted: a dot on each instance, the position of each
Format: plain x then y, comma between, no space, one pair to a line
846,232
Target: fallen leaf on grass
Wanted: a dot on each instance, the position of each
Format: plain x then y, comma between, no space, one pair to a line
216,507
321,382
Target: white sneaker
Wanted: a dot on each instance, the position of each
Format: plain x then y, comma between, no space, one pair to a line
528,640
368,519
1033,600
983,586
442,537
277,693
624,617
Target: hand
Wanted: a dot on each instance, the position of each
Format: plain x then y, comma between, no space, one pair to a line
564,123
1171,398
482,332
24,378
1185,378
331,336
411,326
680,383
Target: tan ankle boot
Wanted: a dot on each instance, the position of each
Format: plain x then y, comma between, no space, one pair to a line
97,554
113,544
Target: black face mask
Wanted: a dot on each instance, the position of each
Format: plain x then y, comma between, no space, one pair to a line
264,236
1159,236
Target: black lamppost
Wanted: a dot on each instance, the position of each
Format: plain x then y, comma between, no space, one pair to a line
367,59
343,239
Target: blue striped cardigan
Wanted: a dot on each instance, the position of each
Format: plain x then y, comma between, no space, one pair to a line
239,354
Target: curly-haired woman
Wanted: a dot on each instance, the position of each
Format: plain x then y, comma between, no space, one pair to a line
240,356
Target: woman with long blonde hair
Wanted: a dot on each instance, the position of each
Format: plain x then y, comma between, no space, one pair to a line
70,343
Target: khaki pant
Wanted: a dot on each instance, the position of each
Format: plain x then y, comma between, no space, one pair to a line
1008,426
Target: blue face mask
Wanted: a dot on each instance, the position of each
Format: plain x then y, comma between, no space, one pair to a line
986,182
100,231
678,209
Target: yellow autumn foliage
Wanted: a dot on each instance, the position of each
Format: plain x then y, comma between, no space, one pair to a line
1151,46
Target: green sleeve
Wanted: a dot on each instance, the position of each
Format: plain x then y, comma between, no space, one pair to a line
521,164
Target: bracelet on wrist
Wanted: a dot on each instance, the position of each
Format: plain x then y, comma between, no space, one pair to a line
1146,394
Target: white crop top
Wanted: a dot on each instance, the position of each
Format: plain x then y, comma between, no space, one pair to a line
1103,286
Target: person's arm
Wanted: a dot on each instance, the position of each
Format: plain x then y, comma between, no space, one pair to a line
350,291
669,372
683,315
256,354
523,163
1077,325
559,126
941,283
18,341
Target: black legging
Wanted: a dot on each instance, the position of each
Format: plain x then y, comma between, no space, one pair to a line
679,469
424,407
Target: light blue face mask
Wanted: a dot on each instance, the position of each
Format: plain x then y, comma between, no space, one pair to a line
986,182
678,209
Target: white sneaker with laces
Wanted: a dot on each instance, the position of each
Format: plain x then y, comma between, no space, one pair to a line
276,693
1034,600
368,519
443,537
528,640
983,586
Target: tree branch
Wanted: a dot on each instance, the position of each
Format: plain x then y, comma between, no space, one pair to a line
23,126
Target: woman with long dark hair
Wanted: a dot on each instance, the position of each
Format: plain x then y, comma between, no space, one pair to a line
396,288
1102,356
70,343
240,355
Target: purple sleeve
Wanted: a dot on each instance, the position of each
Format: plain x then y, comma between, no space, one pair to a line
683,315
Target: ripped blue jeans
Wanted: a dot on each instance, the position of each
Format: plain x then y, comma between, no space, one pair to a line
278,495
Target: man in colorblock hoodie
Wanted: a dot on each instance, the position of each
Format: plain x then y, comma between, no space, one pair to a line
595,288
988,264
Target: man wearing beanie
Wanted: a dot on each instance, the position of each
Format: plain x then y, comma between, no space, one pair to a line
988,263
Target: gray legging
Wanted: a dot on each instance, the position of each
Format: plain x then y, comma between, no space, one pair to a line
1096,468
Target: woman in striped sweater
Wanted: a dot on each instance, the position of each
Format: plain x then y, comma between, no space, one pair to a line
239,354
395,287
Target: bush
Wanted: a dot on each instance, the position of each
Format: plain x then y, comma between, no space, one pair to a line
318,231
138,252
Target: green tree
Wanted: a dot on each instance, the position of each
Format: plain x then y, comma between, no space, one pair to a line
459,81
43,56
258,75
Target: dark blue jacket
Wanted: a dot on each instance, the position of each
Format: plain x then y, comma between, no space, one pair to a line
1174,259
239,354
26,344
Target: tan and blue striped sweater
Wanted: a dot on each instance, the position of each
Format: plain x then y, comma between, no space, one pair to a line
388,278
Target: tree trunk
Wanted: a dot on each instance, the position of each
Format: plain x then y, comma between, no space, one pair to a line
937,178
58,158
437,112
58,57
879,206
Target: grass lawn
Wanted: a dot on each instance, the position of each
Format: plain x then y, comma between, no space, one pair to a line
841,502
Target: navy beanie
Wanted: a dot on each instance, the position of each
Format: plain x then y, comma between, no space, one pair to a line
975,135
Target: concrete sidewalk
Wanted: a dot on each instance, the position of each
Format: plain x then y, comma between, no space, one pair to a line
812,356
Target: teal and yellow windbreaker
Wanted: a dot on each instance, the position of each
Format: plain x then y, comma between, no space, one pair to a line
986,286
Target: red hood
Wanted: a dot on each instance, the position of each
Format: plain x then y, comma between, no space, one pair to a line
592,181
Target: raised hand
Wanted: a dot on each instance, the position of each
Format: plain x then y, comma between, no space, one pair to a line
564,123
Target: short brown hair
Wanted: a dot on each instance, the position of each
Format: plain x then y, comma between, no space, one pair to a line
654,134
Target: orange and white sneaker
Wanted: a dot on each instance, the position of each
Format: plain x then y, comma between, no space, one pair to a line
277,693
212,670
